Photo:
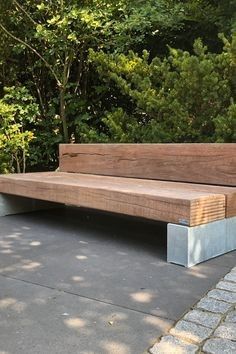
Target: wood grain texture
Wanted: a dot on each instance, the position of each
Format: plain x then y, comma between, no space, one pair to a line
229,192
157,200
196,163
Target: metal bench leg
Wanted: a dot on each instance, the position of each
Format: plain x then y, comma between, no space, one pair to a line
188,246
12,204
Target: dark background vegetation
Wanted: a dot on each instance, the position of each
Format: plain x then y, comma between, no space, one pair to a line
113,71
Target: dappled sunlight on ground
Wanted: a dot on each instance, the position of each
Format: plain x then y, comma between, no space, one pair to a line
6,244
75,323
142,296
79,322
198,273
154,321
25,264
12,304
81,257
77,278
7,251
168,348
83,242
39,301
29,265
35,243
115,347
14,236
104,286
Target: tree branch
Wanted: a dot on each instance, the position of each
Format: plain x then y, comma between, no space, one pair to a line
34,51
25,12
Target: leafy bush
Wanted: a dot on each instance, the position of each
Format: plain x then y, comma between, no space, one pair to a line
159,95
181,98
14,140
42,134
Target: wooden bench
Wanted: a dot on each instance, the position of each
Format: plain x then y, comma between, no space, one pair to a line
192,187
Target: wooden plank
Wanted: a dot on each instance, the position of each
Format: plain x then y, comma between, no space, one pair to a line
153,186
196,163
143,198
229,192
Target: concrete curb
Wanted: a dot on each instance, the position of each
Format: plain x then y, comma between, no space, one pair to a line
209,327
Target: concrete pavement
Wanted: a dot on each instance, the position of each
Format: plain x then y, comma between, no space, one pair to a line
73,281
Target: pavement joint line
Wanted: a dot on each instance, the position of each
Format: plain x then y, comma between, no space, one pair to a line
88,298
213,298
186,336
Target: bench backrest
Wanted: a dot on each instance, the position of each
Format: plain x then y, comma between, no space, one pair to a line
196,163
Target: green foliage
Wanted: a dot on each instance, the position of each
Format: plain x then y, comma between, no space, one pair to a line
133,86
25,119
14,140
182,98
226,125
44,147
54,38
25,107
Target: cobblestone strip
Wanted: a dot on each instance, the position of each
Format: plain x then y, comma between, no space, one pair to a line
209,327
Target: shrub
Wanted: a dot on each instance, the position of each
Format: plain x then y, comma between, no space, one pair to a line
181,98
18,112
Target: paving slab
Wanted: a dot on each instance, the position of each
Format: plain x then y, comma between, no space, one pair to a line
213,305
226,331
106,267
203,318
231,317
219,346
170,344
225,285
219,337
36,319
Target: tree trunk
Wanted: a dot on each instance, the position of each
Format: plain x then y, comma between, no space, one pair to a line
18,170
63,115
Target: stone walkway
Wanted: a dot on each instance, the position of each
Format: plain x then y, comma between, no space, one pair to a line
209,327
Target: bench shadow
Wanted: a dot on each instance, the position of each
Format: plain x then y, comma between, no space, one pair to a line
143,234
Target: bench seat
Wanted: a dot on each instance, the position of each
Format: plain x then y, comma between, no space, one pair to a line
192,187
175,202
